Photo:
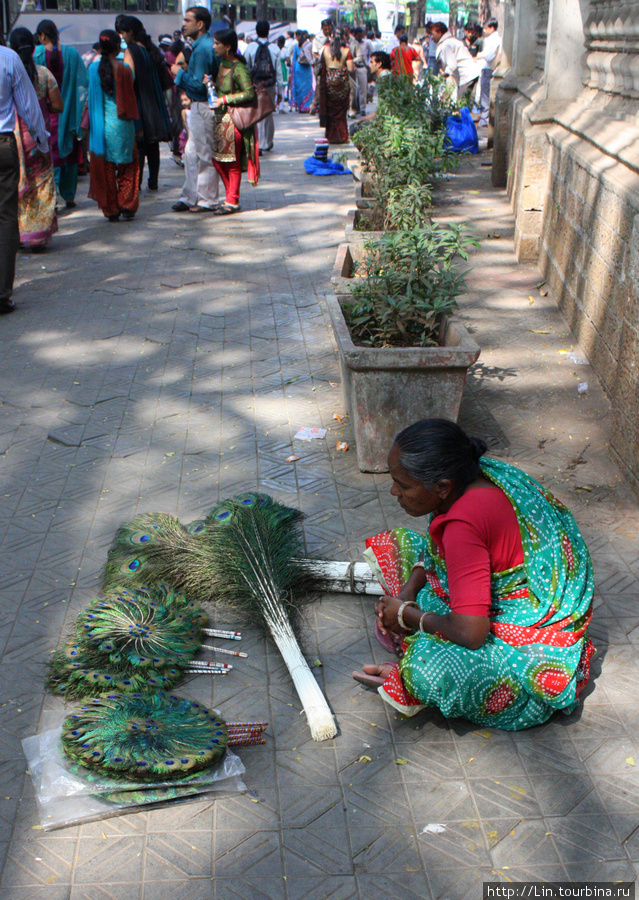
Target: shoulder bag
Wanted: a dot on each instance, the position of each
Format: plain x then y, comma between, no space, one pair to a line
245,117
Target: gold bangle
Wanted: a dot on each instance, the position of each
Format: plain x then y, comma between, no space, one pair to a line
421,628
419,565
400,614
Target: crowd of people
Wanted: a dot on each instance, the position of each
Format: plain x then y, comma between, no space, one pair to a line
211,97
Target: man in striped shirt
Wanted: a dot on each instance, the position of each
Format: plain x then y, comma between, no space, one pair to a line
17,94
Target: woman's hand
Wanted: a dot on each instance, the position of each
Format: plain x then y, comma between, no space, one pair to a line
219,102
386,612
206,79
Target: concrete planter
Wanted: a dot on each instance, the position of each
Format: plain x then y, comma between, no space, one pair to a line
386,390
351,234
363,199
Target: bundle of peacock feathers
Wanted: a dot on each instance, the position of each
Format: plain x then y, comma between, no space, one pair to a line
256,549
246,553
144,737
130,640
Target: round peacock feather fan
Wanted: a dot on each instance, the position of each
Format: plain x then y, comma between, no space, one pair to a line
128,641
78,670
144,737
147,629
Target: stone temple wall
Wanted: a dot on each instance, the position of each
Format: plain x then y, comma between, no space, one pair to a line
566,145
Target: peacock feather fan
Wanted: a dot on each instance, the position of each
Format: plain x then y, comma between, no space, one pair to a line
147,629
78,671
128,641
145,737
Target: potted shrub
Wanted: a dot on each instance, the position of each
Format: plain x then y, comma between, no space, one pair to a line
403,152
402,356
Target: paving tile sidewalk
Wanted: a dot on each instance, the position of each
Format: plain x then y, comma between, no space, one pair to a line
164,363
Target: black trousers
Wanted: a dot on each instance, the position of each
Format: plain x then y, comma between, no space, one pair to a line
9,231
151,152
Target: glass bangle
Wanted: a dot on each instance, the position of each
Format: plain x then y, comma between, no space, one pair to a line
400,614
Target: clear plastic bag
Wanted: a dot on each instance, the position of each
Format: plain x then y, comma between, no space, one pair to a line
69,795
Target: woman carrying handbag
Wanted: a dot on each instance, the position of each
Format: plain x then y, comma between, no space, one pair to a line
237,110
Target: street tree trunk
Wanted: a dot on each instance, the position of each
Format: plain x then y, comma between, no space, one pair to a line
417,19
261,10
452,18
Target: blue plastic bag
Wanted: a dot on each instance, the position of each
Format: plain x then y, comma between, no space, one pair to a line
461,133
318,167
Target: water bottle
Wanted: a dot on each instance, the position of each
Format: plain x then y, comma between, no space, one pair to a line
212,94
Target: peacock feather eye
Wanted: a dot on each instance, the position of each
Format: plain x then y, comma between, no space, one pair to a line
140,537
196,527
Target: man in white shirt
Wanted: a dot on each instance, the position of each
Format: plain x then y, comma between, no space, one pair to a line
17,94
394,40
489,59
359,78
272,82
290,43
454,59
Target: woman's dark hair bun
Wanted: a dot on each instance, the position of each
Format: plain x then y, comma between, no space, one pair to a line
478,447
434,449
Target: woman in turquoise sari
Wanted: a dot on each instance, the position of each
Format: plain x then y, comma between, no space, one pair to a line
489,611
302,71
65,63
113,112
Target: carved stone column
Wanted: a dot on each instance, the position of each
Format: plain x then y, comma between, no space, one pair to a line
611,35
563,75
525,37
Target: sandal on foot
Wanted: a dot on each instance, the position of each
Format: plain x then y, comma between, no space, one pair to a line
389,641
226,209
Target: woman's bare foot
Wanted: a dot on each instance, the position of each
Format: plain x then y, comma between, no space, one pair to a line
382,670
374,675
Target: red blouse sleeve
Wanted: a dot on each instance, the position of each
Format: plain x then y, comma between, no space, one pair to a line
477,536
468,569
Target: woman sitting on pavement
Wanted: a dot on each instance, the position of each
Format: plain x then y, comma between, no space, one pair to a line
234,151
490,611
